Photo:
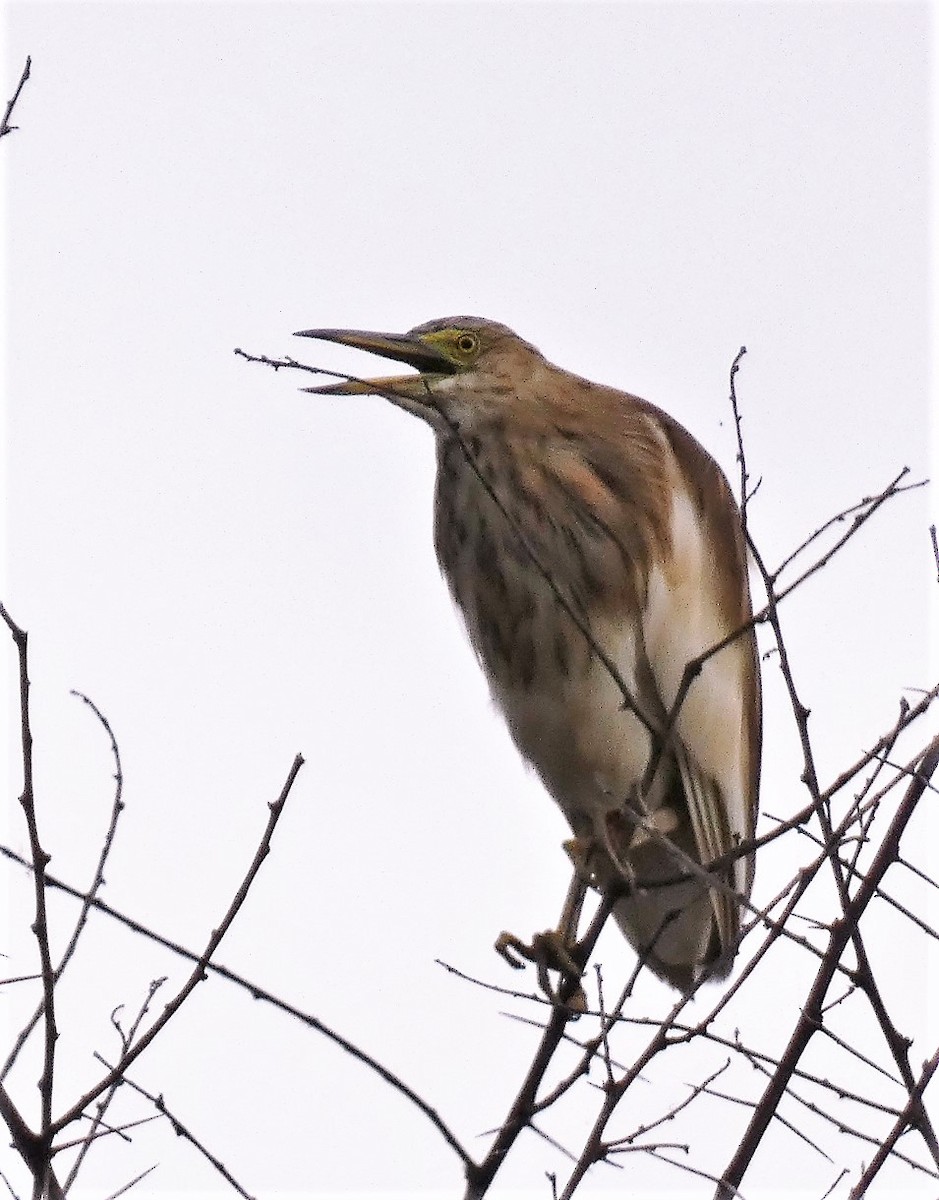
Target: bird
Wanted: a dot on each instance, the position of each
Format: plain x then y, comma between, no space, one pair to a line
598,558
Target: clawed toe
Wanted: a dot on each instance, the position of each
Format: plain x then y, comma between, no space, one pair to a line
548,951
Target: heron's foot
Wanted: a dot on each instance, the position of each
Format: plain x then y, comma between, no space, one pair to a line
550,948
548,951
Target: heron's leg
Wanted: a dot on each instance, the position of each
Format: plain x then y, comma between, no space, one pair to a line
556,949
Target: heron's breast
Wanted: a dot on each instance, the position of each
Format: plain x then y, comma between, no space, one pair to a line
544,570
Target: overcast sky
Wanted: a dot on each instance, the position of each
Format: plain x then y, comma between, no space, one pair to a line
235,571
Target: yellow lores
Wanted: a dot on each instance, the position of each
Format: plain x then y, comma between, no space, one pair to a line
580,528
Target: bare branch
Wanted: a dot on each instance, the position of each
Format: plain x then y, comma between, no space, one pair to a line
40,860
97,882
103,1103
131,1183
745,493
5,126
811,1016
909,1118
260,993
199,972
33,1150
182,1131
864,510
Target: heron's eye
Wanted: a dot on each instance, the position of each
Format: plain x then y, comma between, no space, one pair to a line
467,342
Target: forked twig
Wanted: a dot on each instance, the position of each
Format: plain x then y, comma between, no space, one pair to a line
104,1102
258,992
35,1148
183,1131
198,973
117,808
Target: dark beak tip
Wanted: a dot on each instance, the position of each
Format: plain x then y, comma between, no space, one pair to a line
400,347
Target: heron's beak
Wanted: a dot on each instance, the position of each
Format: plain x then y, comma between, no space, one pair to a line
402,347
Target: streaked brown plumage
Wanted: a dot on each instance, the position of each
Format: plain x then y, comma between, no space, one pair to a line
540,472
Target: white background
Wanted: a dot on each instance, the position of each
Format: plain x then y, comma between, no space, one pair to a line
235,571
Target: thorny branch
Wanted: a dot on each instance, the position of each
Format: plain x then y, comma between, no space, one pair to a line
745,493
909,1118
863,974
811,1018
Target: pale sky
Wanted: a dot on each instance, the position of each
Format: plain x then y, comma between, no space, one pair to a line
235,571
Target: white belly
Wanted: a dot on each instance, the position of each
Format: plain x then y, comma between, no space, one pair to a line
589,750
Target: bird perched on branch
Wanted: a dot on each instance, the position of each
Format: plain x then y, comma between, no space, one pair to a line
597,555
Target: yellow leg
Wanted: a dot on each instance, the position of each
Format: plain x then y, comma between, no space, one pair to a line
556,949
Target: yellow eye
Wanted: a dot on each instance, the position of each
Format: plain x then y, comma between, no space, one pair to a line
466,343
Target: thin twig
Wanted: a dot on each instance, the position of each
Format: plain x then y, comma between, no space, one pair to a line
107,1131
864,975
131,1183
40,860
257,992
199,972
741,455
9,1186
695,1091
183,1131
117,808
903,723
868,506
103,1103
5,126
908,1118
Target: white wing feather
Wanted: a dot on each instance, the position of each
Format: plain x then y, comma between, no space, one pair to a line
682,620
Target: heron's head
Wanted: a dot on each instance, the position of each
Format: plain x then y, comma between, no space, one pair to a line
453,356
